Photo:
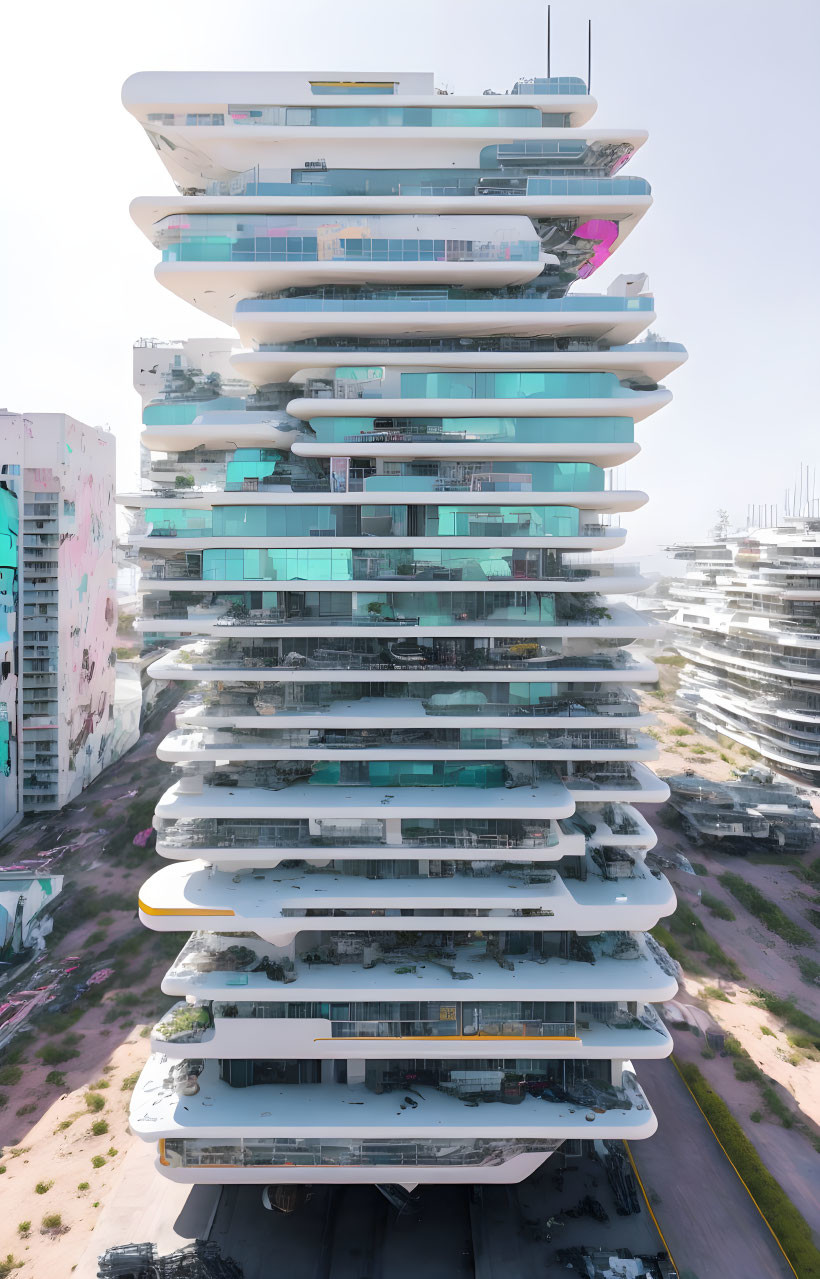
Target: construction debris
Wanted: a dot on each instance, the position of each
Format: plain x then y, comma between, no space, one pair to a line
753,811
199,1260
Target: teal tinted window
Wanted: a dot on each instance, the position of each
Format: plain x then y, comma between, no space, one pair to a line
171,521
527,430
520,385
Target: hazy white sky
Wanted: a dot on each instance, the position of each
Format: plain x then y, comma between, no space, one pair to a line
728,90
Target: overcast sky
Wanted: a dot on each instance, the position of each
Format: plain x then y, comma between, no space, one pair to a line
728,90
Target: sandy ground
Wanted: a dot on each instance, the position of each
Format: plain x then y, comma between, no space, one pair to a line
51,1141
766,961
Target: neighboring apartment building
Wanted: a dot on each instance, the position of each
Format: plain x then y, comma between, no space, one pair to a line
748,624
62,474
404,814
10,806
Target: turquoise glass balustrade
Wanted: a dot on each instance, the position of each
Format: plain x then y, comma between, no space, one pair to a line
340,564
527,430
389,772
183,412
513,385
175,520
370,520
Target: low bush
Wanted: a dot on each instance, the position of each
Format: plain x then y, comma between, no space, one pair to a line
11,1074
94,1101
129,1083
28,1109
788,1011
52,1221
716,907
56,1078
43,1187
756,1117
99,1128
699,868
809,969
770,915
84,1185
23,1227
714,992
687,926
788,1225
97,1161
54,1054
9,1263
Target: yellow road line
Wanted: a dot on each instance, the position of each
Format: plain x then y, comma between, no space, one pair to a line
649,1206
740,1179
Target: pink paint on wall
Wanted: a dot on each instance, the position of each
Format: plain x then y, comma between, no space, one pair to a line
606,233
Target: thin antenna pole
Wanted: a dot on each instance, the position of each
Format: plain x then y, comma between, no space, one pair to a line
589,56
549,42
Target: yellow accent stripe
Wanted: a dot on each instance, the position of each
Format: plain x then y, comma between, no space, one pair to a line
740,1179
166,1163
181,910
649,1206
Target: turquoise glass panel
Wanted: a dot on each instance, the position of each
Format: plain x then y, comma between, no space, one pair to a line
520,385
527,430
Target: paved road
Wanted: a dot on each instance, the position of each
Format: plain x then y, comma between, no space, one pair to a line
710,1223
348,1233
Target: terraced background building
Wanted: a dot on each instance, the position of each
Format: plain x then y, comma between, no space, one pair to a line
378,539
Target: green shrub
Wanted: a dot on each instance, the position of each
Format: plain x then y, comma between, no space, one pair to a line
11,1074
52,1221
809,969
716,907
788,1011
94,1101
699,868
714,992
681,732
98,1161
756,1116
770,915
43,1187
787,1224
54,1054
99,1128
9,1263
687,926
129,1083
112,1151
23,1227
56,1078
767,1030
28,1109
84,1185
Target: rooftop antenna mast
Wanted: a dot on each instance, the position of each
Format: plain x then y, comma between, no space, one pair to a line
549,41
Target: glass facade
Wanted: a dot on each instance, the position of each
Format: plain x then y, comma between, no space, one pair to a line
409,746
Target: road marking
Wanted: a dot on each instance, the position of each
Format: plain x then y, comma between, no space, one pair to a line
649,1206
740,1179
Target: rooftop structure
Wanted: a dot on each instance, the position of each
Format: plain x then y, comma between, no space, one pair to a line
756,809
748,623
377,537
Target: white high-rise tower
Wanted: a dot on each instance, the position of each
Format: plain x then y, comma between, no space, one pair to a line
403,822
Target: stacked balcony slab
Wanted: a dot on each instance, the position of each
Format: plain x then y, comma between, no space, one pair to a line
404,821
748,623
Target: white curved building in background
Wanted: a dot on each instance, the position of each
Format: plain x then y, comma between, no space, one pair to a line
404,818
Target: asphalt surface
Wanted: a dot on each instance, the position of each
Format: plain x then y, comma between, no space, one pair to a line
710,1223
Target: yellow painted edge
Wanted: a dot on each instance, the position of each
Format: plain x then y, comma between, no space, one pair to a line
181,910
166,1163
649,1206
740,1179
